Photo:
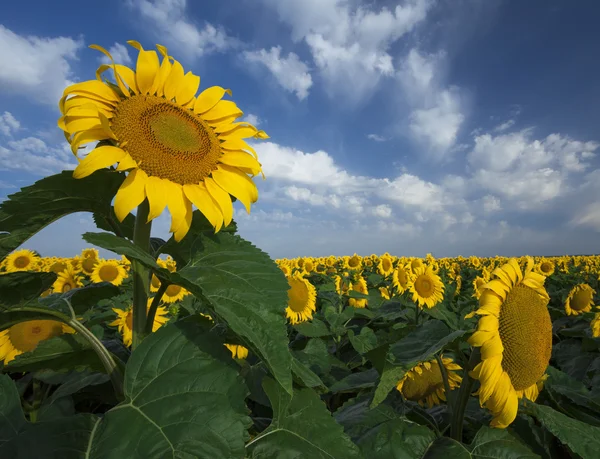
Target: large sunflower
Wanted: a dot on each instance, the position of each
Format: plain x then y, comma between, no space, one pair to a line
580,300
179,149
109,271
21,260
124,321
426,287
25,336
424,383
302,298
515,336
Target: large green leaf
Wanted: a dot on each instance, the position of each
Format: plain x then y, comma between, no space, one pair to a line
242,284
444,448
34,207
582,438
301,427
183,398
499,444
356,381
574,390
21,287
11,415
82,299
313,329
418,346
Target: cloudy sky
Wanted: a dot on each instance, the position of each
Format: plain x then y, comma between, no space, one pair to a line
443,126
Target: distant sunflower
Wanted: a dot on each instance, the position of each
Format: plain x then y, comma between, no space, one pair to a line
401,278
478,283
385,266
75,263
302,298
25,336
426,287
545,267
415,264
88,264
57,265
309,265
424,383
359,285
124,321
174,293
341,286
21,260
354,262
385,293
109,271
237,351
595,325
515,336
580,300
67,280
179,149
90,253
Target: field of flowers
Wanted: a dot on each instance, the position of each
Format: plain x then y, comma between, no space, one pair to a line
202,346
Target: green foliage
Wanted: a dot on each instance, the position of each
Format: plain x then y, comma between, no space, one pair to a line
22,287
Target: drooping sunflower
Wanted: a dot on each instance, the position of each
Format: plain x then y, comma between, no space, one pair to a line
580,300
359,285
109,271
426,287
68,279
545,267
124,321
385,266
515,336
237,351
424,383
179,149
21,260
478,283
401,278
302,298
25,336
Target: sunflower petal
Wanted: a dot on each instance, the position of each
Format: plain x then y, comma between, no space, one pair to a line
156,191
205,203
222,199
173,81
241,159
146,69
208,98
131,193
222,109
85,137
236,184
187,89
127,163
186,222
99,158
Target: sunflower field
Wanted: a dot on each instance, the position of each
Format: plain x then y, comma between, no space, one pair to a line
202,346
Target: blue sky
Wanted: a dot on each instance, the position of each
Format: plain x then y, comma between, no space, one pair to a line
444,126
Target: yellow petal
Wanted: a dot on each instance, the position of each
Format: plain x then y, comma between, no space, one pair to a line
78,101
488,323
222,109
205,203
128,77
93,89
146,70
98,158
492,347
75,124
240,132
163,74
209,98
498,287
478,338
233,144
187,89
236,184
241,159
156,191
185,224
173,80
127,163
85,137
175,203
222,198
118,79
131,193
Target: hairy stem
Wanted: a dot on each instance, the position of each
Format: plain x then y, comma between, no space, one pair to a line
141,274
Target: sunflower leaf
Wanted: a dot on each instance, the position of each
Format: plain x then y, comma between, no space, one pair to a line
121,246
12,418
22,287
301,427
499,444
33,208
82,299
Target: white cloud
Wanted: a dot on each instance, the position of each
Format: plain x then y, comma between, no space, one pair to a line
38,68
491,204
588,216
169,22
504,126
33,155
119,53
376,137
8,124
383,211
290,72
350,42
252,119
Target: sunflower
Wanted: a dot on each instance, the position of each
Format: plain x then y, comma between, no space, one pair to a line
179,149
545,267
424,383
309,266
56,265
415,264
124,321
426,287
174,293
385,266
302,298
359,285
88,264
385,293
341,286
67,280
478,283
285,269
90,253
580,300
25,336
401,278
109,271
515,336
237,351
21,260
354,262
595,325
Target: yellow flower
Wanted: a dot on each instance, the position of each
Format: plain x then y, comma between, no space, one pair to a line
427,288
88,264
21,260
67,280
545,267
595,325
385,293
25,336
179,149
424,383
354,262
237,351
515,336
109,271
341,286
57,265
174,293
302,299
580,300
401,278
90,253
478,283
359,285
385,266
124,321
415,264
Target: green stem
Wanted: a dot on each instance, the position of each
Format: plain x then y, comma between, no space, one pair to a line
141,274
449,401
417,313
456,430
164,285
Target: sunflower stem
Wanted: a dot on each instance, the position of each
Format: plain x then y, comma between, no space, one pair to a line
164,285
458,412
449,400
417,313
141,274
